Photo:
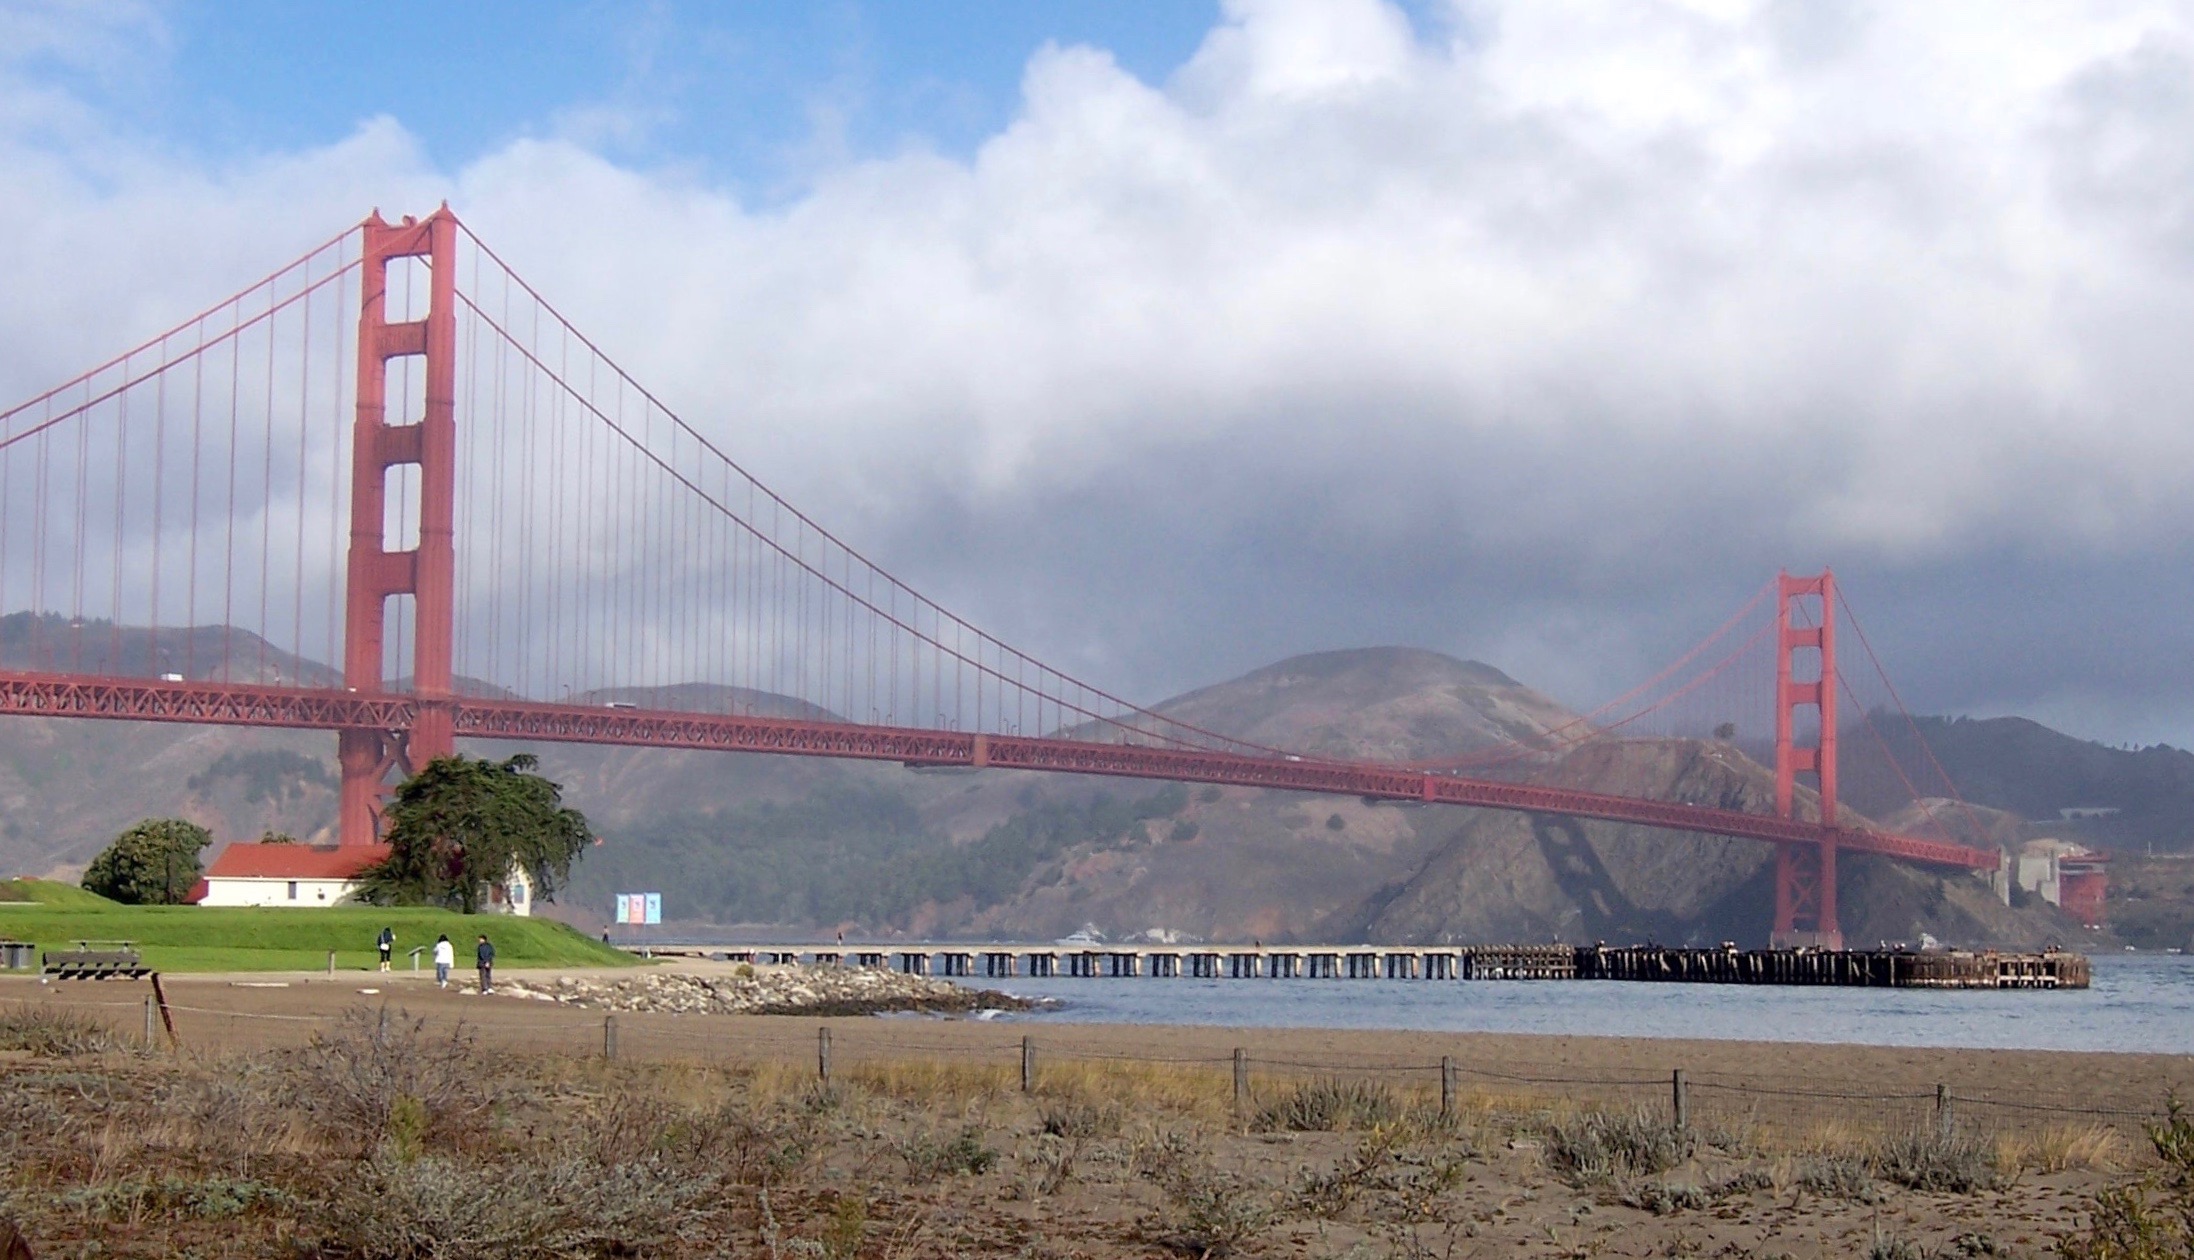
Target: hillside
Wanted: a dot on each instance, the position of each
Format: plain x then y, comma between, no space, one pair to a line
997,854
813,844
1372,704
2027,769
1531,877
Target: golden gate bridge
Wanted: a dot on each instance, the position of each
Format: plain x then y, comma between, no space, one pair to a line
395,453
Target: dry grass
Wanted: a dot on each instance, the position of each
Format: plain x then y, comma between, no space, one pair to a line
56,1032
1173,1088
385,1140
931,1082
2087,1147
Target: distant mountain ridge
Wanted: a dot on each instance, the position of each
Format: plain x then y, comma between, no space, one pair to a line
811,843
1372,704
2022,767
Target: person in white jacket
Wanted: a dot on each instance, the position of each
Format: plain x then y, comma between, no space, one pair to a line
445,956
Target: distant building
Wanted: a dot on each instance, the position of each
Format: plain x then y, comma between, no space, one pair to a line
2067,875
513,895
286,874
307,875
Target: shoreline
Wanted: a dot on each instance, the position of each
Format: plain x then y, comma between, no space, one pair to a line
253,1010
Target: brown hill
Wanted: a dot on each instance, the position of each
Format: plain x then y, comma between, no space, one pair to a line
805,842
1533,877
1372,704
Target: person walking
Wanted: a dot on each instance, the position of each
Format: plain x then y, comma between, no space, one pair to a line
484,956
445,957
387,942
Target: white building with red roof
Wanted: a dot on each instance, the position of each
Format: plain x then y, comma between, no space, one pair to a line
248,874
287,874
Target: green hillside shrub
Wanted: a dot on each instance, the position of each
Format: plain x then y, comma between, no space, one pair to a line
154,863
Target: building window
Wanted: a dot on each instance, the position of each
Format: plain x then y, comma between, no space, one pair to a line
293,890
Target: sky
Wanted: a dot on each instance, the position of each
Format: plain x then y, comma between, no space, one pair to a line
1168,339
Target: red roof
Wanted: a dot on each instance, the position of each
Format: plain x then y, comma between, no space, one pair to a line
294,861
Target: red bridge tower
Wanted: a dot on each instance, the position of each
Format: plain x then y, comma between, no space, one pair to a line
427,571
1805,874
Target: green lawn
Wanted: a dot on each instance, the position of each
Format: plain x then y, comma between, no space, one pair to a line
203,938
46,892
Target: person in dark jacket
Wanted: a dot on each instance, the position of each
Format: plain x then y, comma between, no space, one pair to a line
387,942
484,955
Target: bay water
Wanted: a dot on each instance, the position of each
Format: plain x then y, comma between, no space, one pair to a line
2139,1003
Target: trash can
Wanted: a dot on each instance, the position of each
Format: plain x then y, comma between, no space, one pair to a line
18,956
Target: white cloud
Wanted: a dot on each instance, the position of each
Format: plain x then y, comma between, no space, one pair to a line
1567,302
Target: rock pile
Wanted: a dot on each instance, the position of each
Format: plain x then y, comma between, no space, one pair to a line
813,991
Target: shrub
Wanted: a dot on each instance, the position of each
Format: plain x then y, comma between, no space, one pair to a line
1664,1197
154,863
1836,1177
1064,1128
2153,1218
54,1032
753,1146
211,1199
1604,1146
1938,1159
372,1075
1329,1105
437,1209
1077,1120
1330,1193
928,1158
1208,1213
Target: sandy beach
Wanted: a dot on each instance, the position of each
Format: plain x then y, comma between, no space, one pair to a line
1133,1140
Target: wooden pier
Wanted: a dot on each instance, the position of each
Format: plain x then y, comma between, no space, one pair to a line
1865,968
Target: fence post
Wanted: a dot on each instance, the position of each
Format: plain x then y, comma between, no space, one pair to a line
1447,1087
1942,1109
609,1037
1241,1078
1679,1099
822,1054
149,1034
1028,1063
331,962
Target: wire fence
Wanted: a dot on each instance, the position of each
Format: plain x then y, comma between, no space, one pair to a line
1767,1111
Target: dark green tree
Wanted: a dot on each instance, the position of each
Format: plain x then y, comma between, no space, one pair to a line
154,863
460,826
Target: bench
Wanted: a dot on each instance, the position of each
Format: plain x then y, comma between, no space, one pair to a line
122,962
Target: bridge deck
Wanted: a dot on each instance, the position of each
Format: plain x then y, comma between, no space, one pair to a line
146,700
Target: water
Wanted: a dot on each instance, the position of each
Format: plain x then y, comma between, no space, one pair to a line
2139,1003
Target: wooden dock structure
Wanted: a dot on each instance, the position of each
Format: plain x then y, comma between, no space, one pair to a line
1726,964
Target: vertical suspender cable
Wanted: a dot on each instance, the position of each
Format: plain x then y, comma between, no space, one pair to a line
114,572
266,500
159,522
228,555
304,429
